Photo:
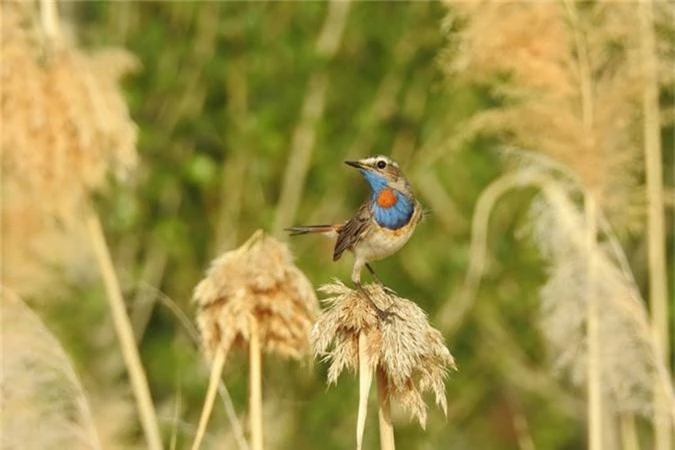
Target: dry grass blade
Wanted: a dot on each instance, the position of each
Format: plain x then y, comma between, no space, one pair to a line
40,388
405,347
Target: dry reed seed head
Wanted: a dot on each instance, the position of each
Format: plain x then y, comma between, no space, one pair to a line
256,280
527,52
65,126
629,361
40,388
65,121
410,352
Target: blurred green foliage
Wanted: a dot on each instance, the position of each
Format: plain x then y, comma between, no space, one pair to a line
217,101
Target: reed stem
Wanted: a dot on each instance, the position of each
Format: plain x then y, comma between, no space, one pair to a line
365,380
255,386
214,381
592,331
656,236
125,334
384,412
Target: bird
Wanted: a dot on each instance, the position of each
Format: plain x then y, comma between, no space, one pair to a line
382,225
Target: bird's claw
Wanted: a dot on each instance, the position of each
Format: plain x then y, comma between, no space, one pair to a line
384,314
388,290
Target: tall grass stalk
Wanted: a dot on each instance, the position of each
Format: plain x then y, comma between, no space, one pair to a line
384,412
594,389
125,334
629,437
214,380
365,380
656,242
255,386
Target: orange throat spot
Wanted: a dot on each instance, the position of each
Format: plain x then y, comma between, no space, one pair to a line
386,198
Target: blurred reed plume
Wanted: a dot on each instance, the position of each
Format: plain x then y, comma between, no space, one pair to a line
407,353
629,359
570,80
255,298
65,127
568,84
44,405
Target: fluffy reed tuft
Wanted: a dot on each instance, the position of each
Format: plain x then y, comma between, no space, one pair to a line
43,402
257,279
629,360
568,82
65,126
407,350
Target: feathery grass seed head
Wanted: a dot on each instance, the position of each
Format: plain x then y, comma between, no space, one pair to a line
410,353
65,127
257,279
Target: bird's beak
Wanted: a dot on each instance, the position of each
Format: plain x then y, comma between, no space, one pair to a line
357,164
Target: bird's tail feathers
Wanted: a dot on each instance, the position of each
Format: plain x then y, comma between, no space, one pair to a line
329,230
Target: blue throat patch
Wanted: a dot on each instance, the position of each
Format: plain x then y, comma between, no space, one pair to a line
397,215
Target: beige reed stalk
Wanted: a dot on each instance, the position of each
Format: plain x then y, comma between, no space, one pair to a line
125,334
384,412
217,366
656,236
255,386
365,380
594,388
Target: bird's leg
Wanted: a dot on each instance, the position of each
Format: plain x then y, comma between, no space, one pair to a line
379,281
356,278
383,314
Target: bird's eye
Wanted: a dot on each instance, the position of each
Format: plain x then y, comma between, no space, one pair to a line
381,164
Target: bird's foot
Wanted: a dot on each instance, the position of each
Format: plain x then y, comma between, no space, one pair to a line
378,280
382,314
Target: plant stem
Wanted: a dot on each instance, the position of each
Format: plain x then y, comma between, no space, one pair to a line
592,330
629,438
656,242
365,380
214,380
255,386
384,412
125,334
49,17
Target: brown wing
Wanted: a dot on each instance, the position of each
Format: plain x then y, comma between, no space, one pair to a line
352,231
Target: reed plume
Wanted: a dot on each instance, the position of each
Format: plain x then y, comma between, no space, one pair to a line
629,360
571,84
254,298
404,350
65,128
43,402
536,75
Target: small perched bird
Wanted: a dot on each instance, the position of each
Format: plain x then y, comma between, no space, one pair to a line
382,225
